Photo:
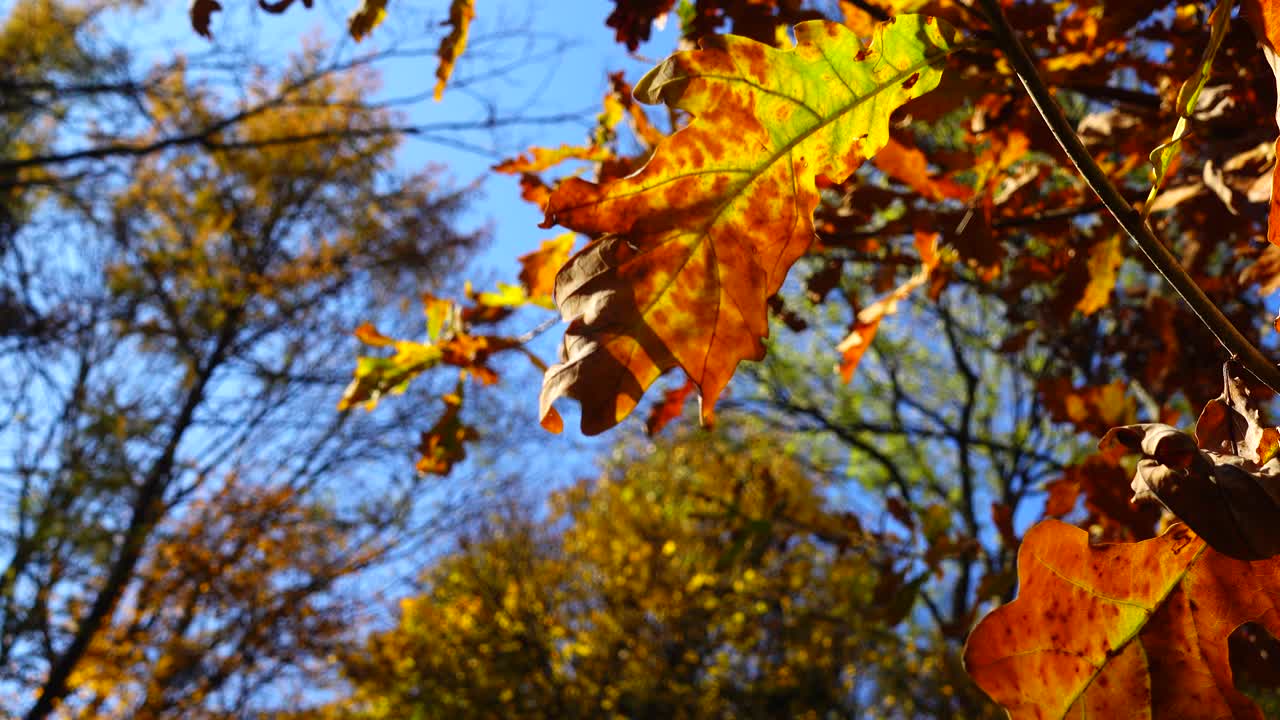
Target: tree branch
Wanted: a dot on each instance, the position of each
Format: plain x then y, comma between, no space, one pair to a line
1130,219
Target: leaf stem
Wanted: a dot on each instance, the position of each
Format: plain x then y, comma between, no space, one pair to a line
1130,219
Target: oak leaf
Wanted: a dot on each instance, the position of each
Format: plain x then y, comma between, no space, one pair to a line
538,159
669,408
855,344
1224,483
538,269
691,246
1122,630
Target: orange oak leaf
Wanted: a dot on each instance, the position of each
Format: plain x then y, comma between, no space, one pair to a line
538,159
855,345
692,245
909,166
670,407
538,269
1122,630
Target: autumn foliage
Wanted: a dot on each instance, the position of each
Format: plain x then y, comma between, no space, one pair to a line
692,245
973,296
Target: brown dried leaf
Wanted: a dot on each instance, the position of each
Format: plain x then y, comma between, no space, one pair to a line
1228,500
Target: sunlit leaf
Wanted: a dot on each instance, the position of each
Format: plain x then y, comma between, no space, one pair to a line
696,242
538,269
453,44
859,339
1105,259
1123,630
538,159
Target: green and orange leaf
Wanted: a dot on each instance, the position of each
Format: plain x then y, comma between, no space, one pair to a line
538,159
909,166
691,246
1123,630
538,269
450,343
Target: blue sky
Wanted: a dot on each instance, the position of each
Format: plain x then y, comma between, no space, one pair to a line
572,53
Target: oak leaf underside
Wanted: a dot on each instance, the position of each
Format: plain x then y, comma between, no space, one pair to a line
692,245
1122,630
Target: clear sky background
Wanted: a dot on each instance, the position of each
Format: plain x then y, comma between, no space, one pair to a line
525,58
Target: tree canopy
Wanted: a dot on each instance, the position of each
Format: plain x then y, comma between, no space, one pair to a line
973,296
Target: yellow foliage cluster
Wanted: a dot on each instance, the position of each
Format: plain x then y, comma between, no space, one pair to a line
707,580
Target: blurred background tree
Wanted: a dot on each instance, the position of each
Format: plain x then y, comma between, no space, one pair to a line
192,530
186,246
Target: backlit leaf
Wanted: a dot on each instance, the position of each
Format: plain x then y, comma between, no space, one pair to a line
460,14
1123,630
855,344
909,166
538,269
450,344
538,159
694,243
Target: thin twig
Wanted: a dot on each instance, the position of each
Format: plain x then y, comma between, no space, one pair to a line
1130,219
